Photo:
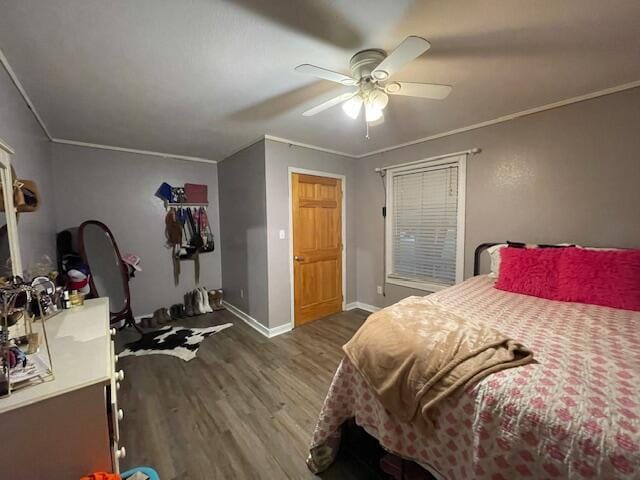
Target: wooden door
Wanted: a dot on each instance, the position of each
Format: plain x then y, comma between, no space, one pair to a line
317,247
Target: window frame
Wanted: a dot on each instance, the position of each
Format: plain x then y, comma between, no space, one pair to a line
419,166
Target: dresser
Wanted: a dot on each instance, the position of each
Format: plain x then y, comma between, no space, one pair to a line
69,426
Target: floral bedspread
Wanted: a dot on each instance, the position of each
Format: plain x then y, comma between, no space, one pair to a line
575,413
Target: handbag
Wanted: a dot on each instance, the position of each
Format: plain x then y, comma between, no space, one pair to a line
205,231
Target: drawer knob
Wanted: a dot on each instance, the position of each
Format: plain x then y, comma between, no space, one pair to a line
120,375
121,452
113,332
116,358
120,414
117,385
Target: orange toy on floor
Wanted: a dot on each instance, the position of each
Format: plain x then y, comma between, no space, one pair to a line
102,476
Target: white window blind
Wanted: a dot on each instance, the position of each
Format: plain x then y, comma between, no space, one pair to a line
423,225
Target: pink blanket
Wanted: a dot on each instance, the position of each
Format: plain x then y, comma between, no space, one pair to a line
574,414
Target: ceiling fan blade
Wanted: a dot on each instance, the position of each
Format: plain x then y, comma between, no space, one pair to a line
328,104
424,90
411,48
325,74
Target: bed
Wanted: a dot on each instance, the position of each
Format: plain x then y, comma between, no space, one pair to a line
574,413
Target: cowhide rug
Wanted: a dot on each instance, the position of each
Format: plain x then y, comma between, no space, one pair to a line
179,342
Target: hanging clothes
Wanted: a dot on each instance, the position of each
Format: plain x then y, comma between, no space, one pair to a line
188,234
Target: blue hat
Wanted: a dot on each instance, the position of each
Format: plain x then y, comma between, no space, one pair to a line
164,192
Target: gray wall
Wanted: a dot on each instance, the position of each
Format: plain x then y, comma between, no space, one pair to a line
118,189
243,223
32,160
279,157
571,174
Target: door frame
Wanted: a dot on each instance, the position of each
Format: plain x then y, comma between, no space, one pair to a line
343,213
10,210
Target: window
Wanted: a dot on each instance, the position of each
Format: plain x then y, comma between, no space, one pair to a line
425,223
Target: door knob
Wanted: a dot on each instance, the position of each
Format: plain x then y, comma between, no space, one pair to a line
298,258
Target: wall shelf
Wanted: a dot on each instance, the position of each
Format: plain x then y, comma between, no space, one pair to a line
184,204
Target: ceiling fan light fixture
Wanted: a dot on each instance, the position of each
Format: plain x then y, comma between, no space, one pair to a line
372,114
371,71
393,87
378,99
353,106
380,75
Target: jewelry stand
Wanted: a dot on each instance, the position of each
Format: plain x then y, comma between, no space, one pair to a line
23,341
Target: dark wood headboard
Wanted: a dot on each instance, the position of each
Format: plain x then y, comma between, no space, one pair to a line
476,256
483,246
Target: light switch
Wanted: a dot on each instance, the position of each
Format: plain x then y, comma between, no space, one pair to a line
281,234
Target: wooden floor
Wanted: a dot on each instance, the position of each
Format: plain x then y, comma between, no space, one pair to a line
245,408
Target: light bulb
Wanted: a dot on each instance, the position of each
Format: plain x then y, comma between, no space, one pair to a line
378,99
353,106
372,113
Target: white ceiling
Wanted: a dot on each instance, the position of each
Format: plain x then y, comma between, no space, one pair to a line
204,77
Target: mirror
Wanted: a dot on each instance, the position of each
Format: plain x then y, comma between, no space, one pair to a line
109,277
10,260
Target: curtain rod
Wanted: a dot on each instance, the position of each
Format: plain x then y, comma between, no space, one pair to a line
472,151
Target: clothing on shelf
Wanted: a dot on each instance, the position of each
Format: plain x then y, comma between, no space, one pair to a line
188,234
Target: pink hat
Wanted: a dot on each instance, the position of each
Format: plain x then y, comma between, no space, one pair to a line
133,261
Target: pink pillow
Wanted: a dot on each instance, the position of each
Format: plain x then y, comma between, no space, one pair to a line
530,271
601,277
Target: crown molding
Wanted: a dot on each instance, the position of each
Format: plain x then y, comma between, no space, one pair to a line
261,138
512,116
5,146
307,145
18,85
16,82
475,126
132,150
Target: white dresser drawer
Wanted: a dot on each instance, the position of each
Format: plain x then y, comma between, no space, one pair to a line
118,452
116,414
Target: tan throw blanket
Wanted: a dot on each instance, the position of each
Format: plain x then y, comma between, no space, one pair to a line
416,352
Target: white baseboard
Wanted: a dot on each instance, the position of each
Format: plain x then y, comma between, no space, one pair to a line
279,330
275,331
256,325
361,306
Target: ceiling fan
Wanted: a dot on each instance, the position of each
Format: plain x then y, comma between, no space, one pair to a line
371,71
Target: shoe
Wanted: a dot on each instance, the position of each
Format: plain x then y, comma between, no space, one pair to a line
188,304
154,322
205,300
176,311
215,300
193,301
198,306
164,316
159,317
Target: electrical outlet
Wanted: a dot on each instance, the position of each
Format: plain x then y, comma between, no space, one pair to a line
281,234
242,293
379,289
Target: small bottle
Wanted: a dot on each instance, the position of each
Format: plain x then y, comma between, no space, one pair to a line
66,302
